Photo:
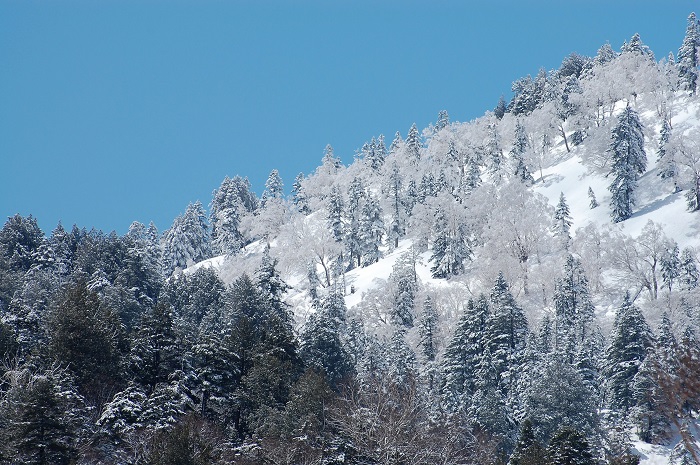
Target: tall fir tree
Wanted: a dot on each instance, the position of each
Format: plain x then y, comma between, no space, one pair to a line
299,195
629,161
517,153
413,144
629,341
463,354
506,331
562,221
688,56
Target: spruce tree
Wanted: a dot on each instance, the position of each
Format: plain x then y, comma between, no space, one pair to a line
591,195
42,416
506,331
427,329
463,354
371,231
528,450
299,195
569,447
562,221
665,161
689,275
629,161
413,144
688,56
443,120
629,342
517,153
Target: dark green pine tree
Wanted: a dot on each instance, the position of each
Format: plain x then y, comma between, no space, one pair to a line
688,56
320,344
569,447
500,109
488,413
88,338
629,342
506,330
574,311
629,161
557,395
528,450
427,329
463,354
155,353
41,416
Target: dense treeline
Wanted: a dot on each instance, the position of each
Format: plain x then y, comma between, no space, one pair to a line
113,354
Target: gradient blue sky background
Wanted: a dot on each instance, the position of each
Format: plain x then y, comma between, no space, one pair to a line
114,111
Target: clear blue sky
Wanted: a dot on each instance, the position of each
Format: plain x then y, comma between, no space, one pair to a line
114,111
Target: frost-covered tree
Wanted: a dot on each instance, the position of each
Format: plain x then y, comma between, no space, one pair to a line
689,275
665,160
517,153
443,121
274,188
230,203
413,144
670,265
687,59
562,221
593,202
299,195
558,396
629,161
353,214
335,214
450,249
187,241
371,231
404,288
396,229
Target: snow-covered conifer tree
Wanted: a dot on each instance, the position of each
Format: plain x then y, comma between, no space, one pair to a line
413,144
299,195
629,161
591,196
688,56
562,221
517,154
629,342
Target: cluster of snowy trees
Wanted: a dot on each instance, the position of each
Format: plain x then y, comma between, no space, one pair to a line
114,353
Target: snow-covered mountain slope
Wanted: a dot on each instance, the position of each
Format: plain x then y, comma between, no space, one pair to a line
569,174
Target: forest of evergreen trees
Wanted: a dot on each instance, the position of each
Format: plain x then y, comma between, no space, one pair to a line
116,350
